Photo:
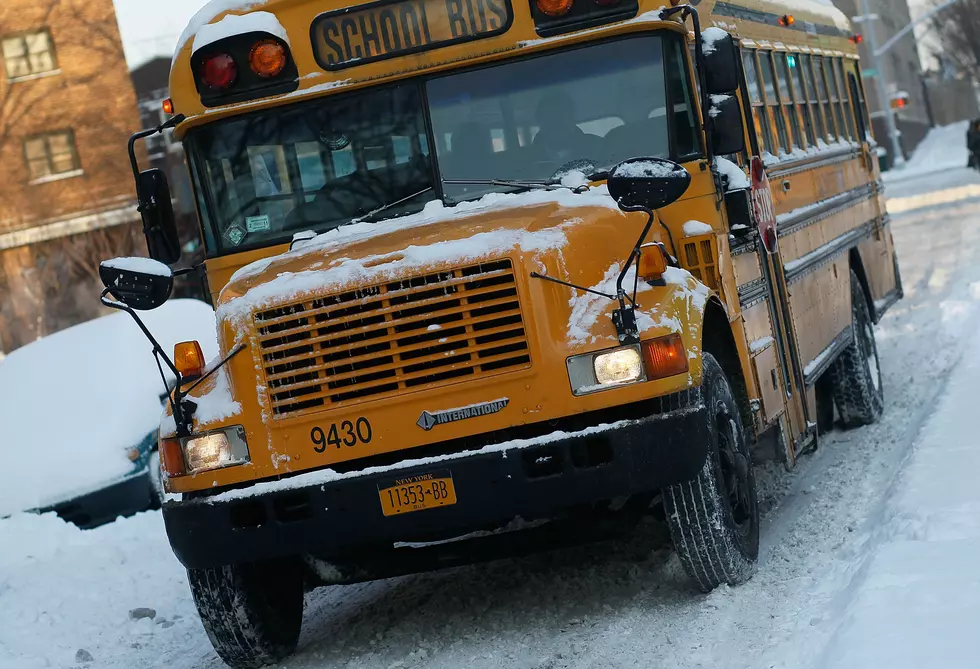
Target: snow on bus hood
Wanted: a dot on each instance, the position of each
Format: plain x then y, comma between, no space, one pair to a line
72,403
369,253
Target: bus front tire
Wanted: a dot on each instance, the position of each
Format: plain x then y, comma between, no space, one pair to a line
856,373
252,613
714,518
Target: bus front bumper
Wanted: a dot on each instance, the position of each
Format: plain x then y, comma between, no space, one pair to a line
536,479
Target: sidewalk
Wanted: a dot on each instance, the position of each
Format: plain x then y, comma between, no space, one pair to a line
916,601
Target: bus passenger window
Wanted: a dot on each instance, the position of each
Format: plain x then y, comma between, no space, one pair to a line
762,130
800,97
845,106
830,112
772,101
813,94
786,98
835,98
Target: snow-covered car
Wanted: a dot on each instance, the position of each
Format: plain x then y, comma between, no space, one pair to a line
80,410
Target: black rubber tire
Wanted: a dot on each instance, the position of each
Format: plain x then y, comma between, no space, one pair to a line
252,613
856,373
713,547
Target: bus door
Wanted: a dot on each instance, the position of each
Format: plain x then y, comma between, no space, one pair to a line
797,426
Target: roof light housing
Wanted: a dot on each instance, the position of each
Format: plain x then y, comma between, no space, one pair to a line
556,17
244,67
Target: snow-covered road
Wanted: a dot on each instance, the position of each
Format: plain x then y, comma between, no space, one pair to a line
844,578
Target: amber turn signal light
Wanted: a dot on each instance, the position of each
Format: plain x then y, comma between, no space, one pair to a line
653,261
168,106
267,58
189,359
171,457
786,20
554,7
664,356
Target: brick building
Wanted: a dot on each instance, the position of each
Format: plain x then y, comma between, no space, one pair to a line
67,108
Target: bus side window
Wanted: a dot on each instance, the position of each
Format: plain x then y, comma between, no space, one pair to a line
762,130
799,97
844,95
772,100
828,97
813,94
860,108
786,98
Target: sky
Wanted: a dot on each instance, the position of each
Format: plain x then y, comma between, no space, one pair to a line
150,28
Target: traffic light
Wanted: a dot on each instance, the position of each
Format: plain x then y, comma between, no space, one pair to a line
899,100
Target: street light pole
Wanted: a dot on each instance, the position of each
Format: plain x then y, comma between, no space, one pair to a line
898,160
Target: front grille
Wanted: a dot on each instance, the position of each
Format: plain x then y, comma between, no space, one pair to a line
438,328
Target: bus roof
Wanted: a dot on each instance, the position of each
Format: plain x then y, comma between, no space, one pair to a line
818,24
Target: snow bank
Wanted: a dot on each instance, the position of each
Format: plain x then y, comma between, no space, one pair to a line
73,402
234,24
917,600
942,149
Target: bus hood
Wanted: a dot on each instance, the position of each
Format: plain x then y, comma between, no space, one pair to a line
542,229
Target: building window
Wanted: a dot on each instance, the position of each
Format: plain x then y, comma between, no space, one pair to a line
29,54
51,154
758,102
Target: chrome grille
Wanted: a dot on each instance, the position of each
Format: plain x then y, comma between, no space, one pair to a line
426,330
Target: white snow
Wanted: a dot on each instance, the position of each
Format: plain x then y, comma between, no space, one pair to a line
716,102
736,177
208,13
709,37
643,168
574,179
141,265
944,148
288,284
100,380
758,344
695,228
239,24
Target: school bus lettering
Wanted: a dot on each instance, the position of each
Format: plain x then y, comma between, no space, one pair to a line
547,270
387,31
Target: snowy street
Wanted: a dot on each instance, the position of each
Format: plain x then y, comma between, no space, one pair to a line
867,559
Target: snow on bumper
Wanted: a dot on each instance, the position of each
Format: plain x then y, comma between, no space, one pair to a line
584,459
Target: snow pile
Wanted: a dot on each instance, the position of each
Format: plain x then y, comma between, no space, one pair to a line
736,177
73,402
917,602
141,265
695,228
234,24
943,148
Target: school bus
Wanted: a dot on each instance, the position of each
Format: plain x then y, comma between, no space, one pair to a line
491,273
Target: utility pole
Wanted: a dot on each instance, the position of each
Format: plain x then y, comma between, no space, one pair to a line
898,160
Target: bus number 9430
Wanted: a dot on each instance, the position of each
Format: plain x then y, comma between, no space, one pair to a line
345,433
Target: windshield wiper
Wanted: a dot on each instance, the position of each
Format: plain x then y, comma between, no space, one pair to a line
374,212
507,183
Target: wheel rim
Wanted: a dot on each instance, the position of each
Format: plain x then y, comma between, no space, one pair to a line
735,469
870,352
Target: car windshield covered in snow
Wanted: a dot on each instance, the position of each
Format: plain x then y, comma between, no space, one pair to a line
316,166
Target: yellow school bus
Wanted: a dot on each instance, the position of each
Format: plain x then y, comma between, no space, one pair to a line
492,275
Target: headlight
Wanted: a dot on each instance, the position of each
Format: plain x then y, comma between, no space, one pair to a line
593,372
213,450
621,366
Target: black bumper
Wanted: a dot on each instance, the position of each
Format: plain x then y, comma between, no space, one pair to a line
124,498
342,518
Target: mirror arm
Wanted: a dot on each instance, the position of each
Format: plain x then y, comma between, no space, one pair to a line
688,10
142,134
176,399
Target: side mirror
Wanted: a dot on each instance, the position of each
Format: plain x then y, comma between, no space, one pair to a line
139,283
159,224
727,131
720,61
647,183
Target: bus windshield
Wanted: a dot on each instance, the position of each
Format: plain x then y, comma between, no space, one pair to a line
322,164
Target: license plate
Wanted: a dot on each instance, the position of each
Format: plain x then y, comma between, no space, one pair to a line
417,493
